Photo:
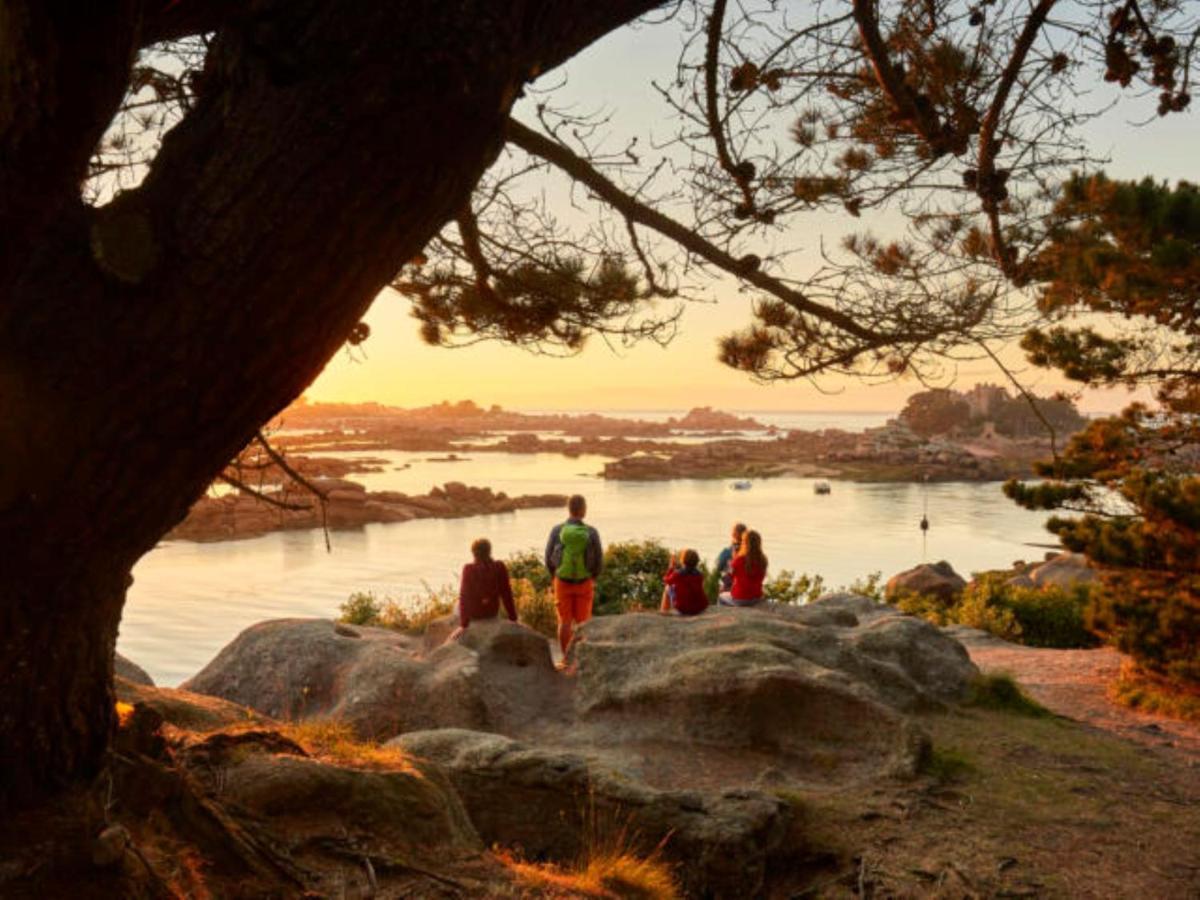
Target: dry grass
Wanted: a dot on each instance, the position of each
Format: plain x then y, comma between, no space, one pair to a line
124,713
335,742
606,874
1153,696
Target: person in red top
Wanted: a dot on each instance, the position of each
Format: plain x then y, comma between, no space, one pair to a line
749,568
684,585
484,586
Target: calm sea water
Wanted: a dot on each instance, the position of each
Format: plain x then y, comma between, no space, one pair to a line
189,600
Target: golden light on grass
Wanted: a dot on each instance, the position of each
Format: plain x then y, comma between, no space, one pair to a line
335,742
124,713
621,875
1156,696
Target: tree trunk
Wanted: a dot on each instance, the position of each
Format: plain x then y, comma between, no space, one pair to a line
143,344
58,625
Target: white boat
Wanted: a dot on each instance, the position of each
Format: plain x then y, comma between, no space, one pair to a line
822,487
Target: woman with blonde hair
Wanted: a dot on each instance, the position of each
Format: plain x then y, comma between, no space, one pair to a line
749,568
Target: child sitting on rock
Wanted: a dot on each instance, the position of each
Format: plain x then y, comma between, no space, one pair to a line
684,591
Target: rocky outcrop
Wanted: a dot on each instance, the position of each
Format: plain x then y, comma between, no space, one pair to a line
383,683
1063,570
131,671
937,580
723,841
406,811
810,685
348,505
705,418
768,682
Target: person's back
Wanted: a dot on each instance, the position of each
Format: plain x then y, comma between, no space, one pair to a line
725,557
484,585
685,586
749,569
574,559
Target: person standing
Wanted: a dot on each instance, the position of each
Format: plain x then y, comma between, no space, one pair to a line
483,587
725,558
574,558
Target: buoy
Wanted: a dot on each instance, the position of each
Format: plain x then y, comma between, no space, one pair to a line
924,517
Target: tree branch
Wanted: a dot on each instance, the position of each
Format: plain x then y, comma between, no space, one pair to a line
170,20
580,170
236,482
716,127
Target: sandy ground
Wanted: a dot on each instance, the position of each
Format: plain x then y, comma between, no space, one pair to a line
1073,683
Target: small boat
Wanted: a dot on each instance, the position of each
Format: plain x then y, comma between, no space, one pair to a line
822,487
741,485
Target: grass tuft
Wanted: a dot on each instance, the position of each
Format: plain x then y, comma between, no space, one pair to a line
1001,693
946,764
335,742
618,874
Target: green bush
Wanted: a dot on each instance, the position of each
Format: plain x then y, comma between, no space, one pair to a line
362,608
1154,620
870,586
535,607
1038,617
528,565
632,577
927,606
411,616
788,587
414,615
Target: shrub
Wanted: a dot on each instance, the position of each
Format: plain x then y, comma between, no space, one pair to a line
528,565
632,576
870,586
535,607
788,587
361,608
927,606
1039,617
411,616
414,615
1154,695
1155,621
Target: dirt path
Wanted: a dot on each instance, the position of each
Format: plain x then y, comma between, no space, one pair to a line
1073,683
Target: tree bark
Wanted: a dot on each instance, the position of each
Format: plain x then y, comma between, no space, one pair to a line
143,344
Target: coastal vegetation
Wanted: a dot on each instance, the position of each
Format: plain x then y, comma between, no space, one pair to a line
1129,252
1050,616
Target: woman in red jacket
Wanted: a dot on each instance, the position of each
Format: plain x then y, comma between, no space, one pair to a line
749,568
484,586
684,591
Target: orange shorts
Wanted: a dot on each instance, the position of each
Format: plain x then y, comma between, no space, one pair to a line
574,600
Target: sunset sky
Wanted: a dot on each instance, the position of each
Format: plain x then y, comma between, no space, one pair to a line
395,367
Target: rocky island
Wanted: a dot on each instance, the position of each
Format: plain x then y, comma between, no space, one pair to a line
343,504
981,435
